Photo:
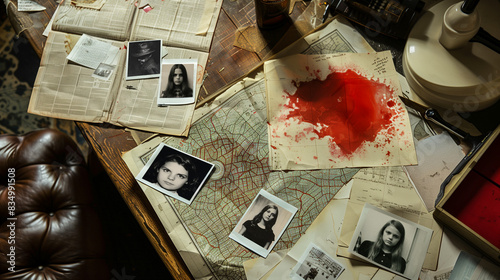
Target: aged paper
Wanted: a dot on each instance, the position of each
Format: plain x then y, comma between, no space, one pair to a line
389,188
324,232
29,6
90,52
69,91
88,4
328,229
112,21
188,24
66,90
178,23
338,110
185,24
234,137
437,157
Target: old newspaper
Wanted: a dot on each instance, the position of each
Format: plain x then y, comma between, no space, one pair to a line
67,90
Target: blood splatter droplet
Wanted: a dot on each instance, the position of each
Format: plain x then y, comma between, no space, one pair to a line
346,106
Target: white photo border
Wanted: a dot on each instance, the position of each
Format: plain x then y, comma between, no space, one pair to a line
166,65
292,210
421,239
305,255
198,161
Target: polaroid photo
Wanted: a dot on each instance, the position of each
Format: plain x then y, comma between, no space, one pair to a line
175,173
177,82
103,71
316,264
263,223
143,59
390,242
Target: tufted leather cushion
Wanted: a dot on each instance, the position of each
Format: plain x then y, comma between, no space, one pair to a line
48,226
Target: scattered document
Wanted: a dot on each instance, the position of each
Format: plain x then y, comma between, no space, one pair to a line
90,52
437,157
471,267
88,4
316,264
29,6
388,188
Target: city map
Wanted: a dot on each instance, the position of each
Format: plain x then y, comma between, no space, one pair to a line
234,137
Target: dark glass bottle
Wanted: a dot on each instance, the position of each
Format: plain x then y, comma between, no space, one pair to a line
271,13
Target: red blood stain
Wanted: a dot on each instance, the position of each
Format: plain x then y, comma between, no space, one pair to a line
349,108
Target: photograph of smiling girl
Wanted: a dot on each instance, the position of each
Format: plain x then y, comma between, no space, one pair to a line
177,82
390,242
175,173
263,223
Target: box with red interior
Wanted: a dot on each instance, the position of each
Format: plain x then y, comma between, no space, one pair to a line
471,204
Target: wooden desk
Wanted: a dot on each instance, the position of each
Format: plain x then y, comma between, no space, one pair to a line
225,65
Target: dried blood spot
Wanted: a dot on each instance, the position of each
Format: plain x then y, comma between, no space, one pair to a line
345,106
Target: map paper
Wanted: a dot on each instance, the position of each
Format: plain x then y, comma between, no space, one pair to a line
234,138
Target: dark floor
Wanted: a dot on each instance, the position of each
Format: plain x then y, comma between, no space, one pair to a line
130,254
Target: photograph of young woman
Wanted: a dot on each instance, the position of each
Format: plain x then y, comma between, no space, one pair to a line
263,223
178,82
390,241
260,228
388,247
175,173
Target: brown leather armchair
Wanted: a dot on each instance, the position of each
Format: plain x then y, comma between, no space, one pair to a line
49,228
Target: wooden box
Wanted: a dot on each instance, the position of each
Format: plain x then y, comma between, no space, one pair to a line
471,204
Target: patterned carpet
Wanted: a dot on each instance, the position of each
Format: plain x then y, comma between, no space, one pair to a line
18,68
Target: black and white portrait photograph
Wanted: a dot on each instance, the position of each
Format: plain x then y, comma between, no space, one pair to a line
175,173
316,264
390,242
144,59
263,223
178,82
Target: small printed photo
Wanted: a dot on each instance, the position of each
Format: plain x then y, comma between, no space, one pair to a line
175,173
390,242
263,223
316,264
103,71
178,82
143,59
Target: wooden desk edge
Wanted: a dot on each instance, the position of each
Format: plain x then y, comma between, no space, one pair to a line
136,200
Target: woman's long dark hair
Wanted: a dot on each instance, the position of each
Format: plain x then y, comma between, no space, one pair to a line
397,249
185,88
259,216
189,187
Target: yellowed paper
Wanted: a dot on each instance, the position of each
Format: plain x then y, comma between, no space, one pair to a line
111,21
88,4
324,232
390,190
67,90
336,110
